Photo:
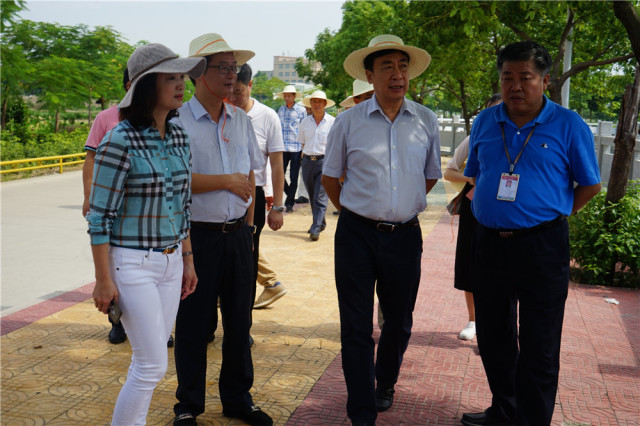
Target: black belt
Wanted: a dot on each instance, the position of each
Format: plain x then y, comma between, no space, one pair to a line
512,233
163,250
313,157
381,225
224,227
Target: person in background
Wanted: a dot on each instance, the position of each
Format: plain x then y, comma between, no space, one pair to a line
268,131
139,212
466,226
313,138
225,153
291,115
520,249
362,91
388,150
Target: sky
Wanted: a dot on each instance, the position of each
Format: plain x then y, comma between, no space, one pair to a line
269,28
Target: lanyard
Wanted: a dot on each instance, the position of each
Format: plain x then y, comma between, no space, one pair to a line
504,142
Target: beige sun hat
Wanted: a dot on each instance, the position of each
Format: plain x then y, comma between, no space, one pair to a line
212,43
359,88
290,88
419,59
318,94
157,58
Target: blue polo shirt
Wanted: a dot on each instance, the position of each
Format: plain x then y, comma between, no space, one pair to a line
560,152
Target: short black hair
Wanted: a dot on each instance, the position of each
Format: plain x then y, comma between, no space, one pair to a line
368,61
244,76
125,78
144,100
524,51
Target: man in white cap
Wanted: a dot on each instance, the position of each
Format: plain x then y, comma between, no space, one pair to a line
291,115
313,138
224,151
388,149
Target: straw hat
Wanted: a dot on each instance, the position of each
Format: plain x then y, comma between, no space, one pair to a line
290,88
359,88
212,43
419,59
318,94
157,58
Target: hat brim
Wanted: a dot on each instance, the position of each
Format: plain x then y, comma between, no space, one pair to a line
307,102
194,67
348,103
280,95
242,56
419,60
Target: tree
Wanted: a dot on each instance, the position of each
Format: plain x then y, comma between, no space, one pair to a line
264,87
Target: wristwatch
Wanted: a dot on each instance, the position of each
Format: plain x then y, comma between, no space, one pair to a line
278,208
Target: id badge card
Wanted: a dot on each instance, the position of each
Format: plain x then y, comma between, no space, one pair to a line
508,187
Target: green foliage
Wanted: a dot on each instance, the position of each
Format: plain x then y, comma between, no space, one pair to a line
598,245
263,89
42,143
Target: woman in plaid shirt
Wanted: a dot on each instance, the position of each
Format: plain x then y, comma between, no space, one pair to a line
139,220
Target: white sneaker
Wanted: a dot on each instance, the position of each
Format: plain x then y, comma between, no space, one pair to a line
468,332
270,295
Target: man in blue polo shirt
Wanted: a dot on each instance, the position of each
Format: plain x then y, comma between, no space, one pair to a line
534,164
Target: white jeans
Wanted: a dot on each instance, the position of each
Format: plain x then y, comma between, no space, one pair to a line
149,285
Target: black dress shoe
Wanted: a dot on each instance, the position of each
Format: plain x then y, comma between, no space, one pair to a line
289,209
301,200
252,416
117,333
384,398
185,419
480,419
170,342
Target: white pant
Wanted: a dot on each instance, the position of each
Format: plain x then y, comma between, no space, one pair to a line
149,285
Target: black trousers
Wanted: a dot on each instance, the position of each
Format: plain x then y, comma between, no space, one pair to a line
223,263
364,255
528,272
291,187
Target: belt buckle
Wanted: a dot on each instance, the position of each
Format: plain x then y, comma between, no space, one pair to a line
169,250
225,224
385,227
507,234
314,158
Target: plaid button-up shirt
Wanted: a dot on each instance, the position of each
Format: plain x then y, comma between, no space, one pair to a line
290,118
141,192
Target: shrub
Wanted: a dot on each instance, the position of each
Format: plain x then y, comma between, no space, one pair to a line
608,253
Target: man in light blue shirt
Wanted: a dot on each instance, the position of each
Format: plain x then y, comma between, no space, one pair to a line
388,150
225,153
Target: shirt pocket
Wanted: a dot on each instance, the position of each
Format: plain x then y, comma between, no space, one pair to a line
415,159
146,176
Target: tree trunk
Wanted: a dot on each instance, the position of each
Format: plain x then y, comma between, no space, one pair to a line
57,122
627,15
555,90
465,109
624,141
4,113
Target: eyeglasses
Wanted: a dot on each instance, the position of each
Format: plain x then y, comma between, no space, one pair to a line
226,69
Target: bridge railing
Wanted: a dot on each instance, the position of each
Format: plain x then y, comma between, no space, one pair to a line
27,164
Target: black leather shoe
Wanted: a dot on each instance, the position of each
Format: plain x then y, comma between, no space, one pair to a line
289,209
185,419
252,342
384,398
301,200
170,342
117,333
252,416
480,419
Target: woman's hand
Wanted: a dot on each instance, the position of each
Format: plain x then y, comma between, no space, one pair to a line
189,278
104,292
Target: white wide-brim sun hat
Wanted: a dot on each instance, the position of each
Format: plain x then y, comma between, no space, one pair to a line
359,88
419,59
157,58
212,43
288,89
318,94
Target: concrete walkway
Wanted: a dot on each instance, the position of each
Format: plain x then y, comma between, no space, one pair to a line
58,367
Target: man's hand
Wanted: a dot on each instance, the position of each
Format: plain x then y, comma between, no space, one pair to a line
275,220
240,185
189,279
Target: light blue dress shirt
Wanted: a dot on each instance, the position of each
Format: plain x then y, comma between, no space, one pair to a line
386,163
226,147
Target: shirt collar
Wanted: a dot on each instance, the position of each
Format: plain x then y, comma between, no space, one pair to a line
545,115
375,106
199,111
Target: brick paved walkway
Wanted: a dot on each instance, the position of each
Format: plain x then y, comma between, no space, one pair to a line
58,368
